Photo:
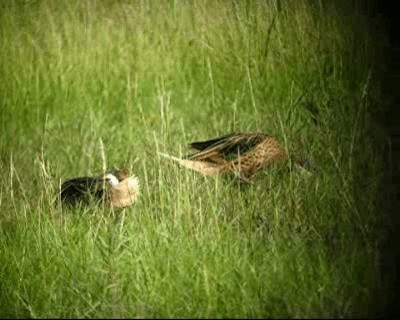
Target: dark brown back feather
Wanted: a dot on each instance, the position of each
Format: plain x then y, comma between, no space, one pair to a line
202,145
226,147
79,189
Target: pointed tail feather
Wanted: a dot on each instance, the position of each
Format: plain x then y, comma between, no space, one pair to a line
182,162
165,155
199,166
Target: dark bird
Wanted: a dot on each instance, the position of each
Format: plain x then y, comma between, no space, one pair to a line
116,188
244,154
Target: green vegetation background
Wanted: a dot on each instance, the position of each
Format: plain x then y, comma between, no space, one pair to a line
92,83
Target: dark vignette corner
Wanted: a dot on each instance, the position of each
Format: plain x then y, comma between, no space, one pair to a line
389,296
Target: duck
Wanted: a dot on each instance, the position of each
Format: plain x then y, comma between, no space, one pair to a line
116,188
243,154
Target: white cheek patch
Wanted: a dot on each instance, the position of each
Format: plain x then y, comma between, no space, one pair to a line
112,179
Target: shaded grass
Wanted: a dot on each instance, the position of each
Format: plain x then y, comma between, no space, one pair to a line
85,83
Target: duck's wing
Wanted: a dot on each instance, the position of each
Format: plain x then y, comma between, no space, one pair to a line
225,148
74,189
202,145
81,183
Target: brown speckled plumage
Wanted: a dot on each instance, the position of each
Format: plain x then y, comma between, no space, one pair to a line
241,153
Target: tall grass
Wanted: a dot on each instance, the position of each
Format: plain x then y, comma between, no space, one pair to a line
88,83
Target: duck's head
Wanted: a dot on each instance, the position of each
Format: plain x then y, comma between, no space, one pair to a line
307,164
125,192
114,177
111,179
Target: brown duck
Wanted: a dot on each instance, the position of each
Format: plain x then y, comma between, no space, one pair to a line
116,188
244,154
